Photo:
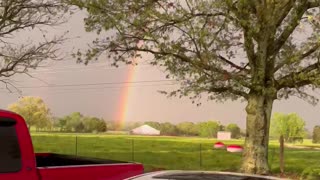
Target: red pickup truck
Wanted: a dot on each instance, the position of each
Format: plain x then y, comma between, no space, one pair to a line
19,162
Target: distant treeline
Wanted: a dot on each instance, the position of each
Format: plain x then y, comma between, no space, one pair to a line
38,117
202,129
76,122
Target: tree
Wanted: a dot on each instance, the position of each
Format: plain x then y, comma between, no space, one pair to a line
153,124
101,125
168,129
89,124
93,124
61,123
79,127
226,49
235,130
131,125
222,127
74,122
287,125
24,16
208,129
111,126
316,134
33,110
188,128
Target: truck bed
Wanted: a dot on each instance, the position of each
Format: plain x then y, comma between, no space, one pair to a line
67,167
50,159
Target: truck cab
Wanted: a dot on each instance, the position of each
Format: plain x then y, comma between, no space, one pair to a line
18,160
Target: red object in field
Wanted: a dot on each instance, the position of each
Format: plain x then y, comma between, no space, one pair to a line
19,162
235,148
219,145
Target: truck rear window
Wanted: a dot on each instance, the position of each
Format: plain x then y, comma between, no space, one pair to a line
10,156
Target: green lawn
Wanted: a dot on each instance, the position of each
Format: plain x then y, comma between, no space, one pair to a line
168,152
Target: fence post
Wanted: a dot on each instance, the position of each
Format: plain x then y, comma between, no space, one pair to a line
76,145
281,154
132,149
200,154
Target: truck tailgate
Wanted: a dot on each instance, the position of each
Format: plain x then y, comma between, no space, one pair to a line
90,172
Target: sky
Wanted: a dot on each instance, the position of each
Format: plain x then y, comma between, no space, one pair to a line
145,103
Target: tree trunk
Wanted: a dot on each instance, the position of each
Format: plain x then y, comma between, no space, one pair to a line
255,156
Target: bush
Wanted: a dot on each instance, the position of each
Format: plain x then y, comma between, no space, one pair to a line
311,173
316,134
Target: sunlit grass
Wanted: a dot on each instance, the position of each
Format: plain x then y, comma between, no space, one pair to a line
169,152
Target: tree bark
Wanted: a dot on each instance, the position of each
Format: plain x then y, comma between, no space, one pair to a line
255,156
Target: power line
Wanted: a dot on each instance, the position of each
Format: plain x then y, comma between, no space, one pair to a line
115,87
67,70
91,90
97,89
90,84
94,65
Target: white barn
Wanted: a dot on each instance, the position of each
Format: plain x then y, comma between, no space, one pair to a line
145,130
223,135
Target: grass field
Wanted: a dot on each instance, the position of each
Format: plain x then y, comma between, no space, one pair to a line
169,152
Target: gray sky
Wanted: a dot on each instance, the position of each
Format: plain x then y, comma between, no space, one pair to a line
145,103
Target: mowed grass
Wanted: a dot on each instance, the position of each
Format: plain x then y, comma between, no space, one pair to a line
169,152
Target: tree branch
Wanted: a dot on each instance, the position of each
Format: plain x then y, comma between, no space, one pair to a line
284,12
16,16
232,64
314,4
231,90
297,14
298,56
301,78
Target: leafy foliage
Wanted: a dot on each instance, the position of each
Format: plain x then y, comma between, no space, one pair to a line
188,129
316,134
131,125
200,42
208,129
153,124
223,49
34,111
235,130
93,124
168,129
76,122
288,125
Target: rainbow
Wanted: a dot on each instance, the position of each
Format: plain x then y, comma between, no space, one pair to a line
126,93
121,116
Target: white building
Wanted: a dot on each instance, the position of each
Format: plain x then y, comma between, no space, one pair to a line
145,130
223,135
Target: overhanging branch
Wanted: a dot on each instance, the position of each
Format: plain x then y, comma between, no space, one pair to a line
304,77
231,90
297,14
299,56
